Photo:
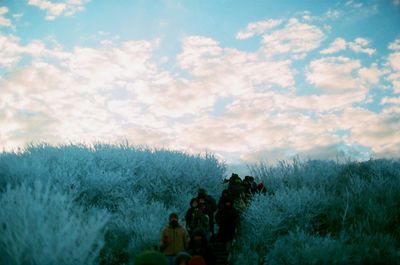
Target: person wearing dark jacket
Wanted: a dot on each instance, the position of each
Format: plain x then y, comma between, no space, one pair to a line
199,246
227,219
190,215
224,196
211,204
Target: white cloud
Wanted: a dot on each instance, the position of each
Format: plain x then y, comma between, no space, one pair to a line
370,75
325,73
258,28
10,50
59,8
358,46
3,20
393,61
391,100
338,44
333,14
396,2
296,39
395,45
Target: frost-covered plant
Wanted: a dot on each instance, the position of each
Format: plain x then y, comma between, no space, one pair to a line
138,186
348,211
41,225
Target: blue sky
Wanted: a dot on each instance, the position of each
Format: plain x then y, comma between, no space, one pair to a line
245,80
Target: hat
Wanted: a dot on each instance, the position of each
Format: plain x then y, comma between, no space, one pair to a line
151,257
197,260
182,256
173,215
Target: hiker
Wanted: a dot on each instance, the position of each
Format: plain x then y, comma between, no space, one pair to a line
182,258
261,188
190,214
253,184
151,257
224,196
174,238
235,186
227,219
200,218
197,260
237,191
209,201
199,246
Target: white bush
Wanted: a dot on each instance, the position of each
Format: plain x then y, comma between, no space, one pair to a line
40,225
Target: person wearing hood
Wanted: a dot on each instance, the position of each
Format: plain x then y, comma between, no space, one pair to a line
174,238
199,246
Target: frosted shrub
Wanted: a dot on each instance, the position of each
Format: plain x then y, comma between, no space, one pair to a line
299,247
40,225
321,212
139,187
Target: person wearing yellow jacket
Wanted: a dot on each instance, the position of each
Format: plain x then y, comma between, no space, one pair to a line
174,238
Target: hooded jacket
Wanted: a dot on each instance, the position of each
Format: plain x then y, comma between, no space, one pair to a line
174,240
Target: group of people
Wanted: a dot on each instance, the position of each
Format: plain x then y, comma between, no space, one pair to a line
190,244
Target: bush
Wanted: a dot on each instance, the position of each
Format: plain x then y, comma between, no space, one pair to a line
138,187
348,211
40,225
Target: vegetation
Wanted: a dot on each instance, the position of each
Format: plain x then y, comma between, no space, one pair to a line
322,212
102,204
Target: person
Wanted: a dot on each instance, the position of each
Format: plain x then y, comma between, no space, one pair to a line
174,238
211,206
199,246
151,257
182,258
224,196
227,219
197,260
191,214
235,186
261,188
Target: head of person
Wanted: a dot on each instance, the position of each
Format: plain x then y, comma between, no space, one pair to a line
202,200
194,202
151,257
182,258
228,204
197,260
225,194
198,238
173,220
201,193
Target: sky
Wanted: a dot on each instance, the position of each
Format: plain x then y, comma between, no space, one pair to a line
247,81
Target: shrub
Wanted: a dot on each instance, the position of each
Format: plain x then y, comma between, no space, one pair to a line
41,225
348,211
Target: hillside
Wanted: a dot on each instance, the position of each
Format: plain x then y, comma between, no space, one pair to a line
103,204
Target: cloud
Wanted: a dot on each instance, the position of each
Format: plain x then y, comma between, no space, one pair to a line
59,8
390,100
370,75
258,28
393,61
333,14
10,50
295,39
339,44
3,20
324,74
378,131
358,46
